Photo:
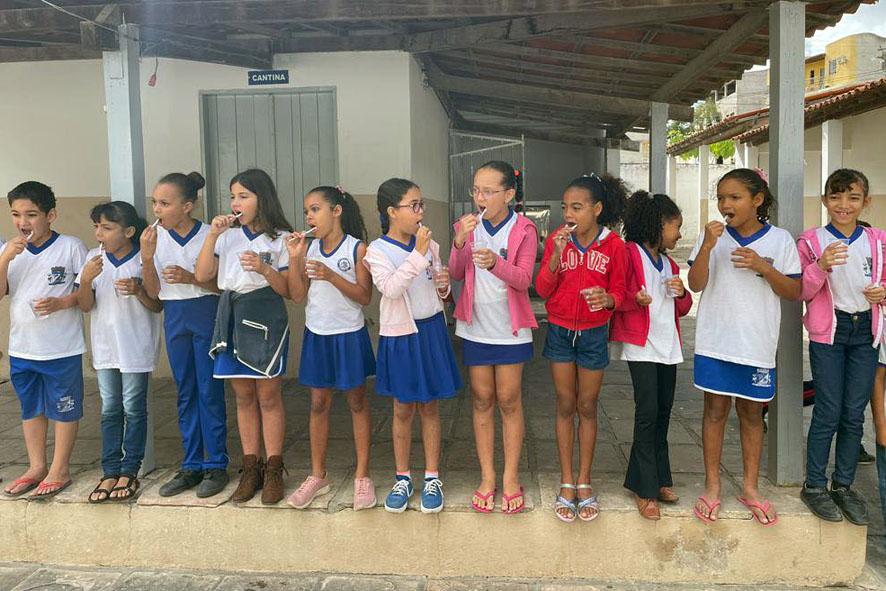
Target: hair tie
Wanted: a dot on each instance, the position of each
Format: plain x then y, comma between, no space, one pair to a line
762,174
340,189
650,196
516,172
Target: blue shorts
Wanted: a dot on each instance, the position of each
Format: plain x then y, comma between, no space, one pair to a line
473,353
52,388
588,348
734,379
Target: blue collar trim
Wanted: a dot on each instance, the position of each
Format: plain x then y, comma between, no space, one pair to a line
117,262
493,230
407,247
657,263
856,234
334,250
183,240
581,248
250,235
742,241
53,236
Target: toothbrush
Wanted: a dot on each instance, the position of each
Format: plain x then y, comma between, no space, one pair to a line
157,221
571,227
31,235
309,231
304,234
480,215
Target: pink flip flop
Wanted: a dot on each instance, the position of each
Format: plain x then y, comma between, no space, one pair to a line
484,497
506,499
762,507
30,482
710,506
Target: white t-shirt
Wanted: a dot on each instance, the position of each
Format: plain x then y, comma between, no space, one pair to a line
328,310
422,292
490,314
124,334
848,281
39,272
663,342
739,315
173,249
236,240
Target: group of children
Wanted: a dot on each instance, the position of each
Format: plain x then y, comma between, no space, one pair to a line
222,288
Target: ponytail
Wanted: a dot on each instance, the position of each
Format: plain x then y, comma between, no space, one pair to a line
351,219
512,178
608,190
645,214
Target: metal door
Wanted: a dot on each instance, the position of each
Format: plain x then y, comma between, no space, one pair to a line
290,133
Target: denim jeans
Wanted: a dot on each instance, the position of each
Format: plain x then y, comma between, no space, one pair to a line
881,474
844,377
124,420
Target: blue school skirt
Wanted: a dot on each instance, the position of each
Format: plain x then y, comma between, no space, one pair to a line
733,379
418,367
340,361
226,366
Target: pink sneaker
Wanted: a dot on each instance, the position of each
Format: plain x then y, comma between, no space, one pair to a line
364,494
312,487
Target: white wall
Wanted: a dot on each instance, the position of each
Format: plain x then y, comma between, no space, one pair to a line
429,138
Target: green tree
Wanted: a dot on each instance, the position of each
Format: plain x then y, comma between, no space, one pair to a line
705,114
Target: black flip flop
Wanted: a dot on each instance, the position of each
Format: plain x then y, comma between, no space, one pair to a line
132,488
98,490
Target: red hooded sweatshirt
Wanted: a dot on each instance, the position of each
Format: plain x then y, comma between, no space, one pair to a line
602,264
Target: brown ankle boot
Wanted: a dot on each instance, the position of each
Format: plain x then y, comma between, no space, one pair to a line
272,491
251,475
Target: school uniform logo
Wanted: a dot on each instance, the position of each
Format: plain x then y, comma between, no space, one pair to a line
867,265
265,257
344,265
65,404
503,253
57,275
762,378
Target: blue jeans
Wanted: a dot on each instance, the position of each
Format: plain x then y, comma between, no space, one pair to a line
881,473
844,377
124,420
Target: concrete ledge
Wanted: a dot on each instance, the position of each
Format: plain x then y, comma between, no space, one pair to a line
619,545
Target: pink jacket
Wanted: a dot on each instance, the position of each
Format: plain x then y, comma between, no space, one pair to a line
395,310
820,318
630,322
515,269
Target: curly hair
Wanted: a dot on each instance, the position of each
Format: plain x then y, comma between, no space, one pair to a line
645,214
608,190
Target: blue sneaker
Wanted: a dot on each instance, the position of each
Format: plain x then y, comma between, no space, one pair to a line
396,500
432,496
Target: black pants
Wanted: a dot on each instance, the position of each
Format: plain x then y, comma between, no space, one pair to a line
649,466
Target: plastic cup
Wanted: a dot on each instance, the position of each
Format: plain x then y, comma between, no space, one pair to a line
670,291
308,267
478,245
587,293
33,304
441,273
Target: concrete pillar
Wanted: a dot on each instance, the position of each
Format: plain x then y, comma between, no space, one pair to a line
831,154
751,156
740,155
126,151
613,162
672,177
786,54
658,144
704,183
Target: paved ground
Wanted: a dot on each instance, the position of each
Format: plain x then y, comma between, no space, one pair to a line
25,577
460,471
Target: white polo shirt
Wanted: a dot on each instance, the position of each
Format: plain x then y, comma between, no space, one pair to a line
847,282
173,249
39,272
236,240
738,314
124,334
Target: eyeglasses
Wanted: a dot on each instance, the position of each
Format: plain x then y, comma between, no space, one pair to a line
417,206
487,193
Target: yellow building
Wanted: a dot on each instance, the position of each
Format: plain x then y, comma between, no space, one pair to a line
850,60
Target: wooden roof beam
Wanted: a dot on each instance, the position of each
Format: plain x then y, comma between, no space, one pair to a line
502,130
518,29
652,48
549,96
51,52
